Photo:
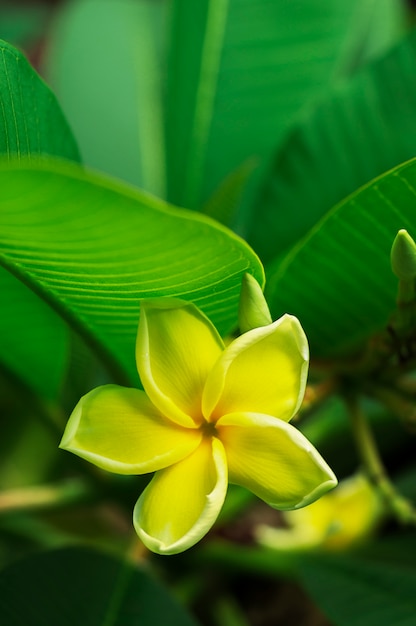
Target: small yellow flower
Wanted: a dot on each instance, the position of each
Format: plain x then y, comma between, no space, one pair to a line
208,415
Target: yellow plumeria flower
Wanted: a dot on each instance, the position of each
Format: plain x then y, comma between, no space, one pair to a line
207,415
339,520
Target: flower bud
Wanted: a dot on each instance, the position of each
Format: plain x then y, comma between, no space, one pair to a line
403,256
253,311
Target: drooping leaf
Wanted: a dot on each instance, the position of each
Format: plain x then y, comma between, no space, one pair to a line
364,128
33,339
81,586
239,71
338,279
364,591
110,52
92,248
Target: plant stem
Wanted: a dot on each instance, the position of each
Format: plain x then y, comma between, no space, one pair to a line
401,508
402,320
405,293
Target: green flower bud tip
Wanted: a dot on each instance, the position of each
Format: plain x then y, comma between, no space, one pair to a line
403,256
253,311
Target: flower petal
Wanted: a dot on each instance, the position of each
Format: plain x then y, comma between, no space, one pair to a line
273,460
262,371
182,502
176,348
121,431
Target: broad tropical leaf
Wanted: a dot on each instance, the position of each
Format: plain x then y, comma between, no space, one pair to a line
338,279
364,128
240,71
31,124
93,248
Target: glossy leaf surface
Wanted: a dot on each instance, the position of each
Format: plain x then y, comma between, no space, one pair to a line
338,279
94,248
31,124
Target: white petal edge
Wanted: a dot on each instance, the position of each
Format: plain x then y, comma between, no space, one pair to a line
163,459
297,438
216,381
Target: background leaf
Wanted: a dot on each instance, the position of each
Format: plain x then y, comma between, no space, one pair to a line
81,586
224,202
240,71
366,127
338,279
364,591
31,124
31,121
33,339
111,53
93,248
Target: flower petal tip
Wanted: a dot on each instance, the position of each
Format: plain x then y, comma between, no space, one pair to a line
319,491
177,508
169,545
155,545
70,431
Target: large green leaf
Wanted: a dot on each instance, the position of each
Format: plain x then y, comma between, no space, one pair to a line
93,248
364,128
338,280
104,61
31,124
364,591
80,586
239,71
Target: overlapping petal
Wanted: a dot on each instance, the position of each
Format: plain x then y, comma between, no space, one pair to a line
262,371
273,460
176,348
182,502
121,431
